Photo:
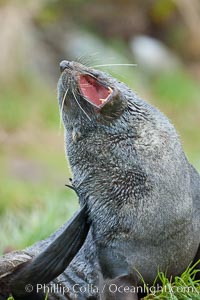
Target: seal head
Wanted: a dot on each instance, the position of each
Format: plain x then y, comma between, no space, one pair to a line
85,93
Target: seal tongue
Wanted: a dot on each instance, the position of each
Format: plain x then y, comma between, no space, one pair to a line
93,91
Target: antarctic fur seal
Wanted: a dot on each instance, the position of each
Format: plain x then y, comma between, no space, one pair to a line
136,189
129,168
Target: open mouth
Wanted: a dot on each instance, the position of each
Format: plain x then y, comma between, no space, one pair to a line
94,92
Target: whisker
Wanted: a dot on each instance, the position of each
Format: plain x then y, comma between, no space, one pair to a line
62,108
63,85
75,89
84,60
80,105
89,59
80,59
82,96
114,65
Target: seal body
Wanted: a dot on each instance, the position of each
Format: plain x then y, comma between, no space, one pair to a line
130,170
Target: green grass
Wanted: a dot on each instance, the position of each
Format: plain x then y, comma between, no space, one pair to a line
33,199
176,89
28,225
177,95
184,287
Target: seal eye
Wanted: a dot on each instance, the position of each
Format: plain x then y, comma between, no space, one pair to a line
93,91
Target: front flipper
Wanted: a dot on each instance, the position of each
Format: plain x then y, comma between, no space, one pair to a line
53,260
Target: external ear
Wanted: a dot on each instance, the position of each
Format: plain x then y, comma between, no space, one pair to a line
53,260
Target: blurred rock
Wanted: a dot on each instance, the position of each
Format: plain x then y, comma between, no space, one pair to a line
22,46
152,55
31,48
89,49
12,39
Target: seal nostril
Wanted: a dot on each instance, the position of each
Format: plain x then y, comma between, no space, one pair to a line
64,64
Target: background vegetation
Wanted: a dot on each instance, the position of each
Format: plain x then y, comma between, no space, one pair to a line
35,36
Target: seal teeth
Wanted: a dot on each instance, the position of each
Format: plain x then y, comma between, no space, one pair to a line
110,90
103,100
